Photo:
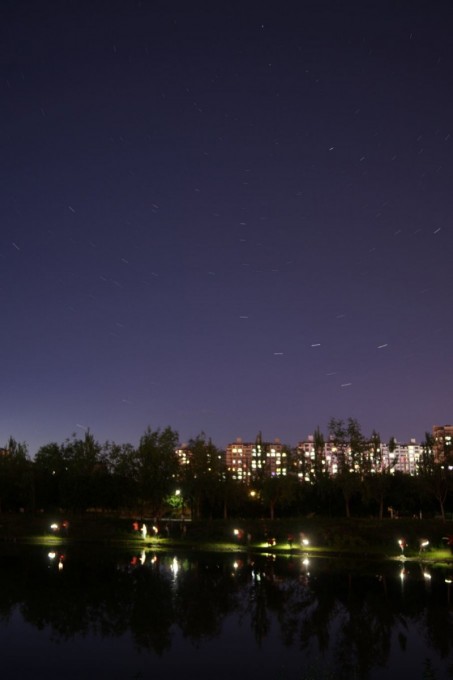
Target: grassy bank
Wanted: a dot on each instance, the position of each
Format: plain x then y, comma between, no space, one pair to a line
365,537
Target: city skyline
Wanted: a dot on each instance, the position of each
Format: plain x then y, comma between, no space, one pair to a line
225,218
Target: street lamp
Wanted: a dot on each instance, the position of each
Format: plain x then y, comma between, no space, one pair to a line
423,544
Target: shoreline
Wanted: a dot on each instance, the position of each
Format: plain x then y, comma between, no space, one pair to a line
360,538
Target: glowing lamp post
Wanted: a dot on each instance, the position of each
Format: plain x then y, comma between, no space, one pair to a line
239,533
423,544
180,502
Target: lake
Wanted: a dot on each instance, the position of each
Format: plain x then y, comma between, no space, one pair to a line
93,612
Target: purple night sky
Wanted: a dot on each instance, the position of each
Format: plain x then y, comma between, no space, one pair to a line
226,217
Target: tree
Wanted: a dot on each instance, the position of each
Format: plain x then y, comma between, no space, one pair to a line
234,494
121,461
434,476
278,491
49,471
15,476
203,479
378,477
392,444
83,465
350,446
321,470
312,465
156,466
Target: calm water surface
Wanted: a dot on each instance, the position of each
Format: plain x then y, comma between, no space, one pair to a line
92,613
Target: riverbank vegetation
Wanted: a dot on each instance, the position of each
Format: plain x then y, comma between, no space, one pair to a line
360,537
83,476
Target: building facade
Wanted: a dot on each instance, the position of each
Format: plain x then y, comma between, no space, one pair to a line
250,461
443,444
313,460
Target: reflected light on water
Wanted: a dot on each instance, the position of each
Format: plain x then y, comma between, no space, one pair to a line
174,567
253,610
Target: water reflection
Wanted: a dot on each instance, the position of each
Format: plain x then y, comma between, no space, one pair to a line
298,616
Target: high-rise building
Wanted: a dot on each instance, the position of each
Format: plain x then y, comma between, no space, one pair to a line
443,444
249,461
314,459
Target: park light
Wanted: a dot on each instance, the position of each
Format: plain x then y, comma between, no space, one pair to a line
51,555
239,533
423,543
303,539
54,526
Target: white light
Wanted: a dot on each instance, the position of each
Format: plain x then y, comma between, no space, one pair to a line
54,526
51,555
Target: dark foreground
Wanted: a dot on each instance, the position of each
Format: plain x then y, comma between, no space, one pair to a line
88,609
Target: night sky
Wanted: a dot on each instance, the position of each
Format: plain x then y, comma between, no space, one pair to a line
226,217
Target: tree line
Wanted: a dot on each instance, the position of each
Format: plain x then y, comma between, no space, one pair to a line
149,479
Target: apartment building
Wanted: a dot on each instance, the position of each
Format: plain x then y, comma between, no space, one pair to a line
312,460
248,461
443,443
313,457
